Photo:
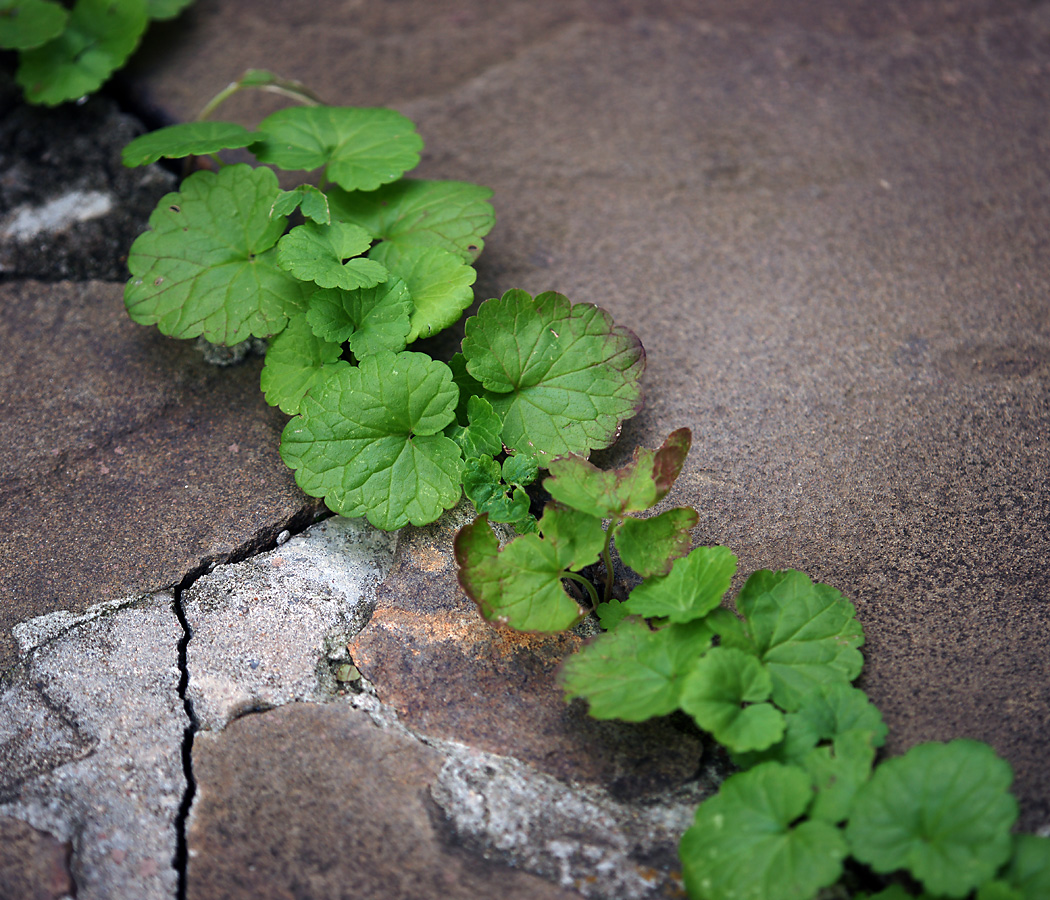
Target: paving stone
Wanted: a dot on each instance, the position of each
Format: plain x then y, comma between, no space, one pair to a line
128,461
34,865
274,628
100,696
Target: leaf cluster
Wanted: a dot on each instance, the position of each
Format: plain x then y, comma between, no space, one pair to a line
769,676
66,53
343,276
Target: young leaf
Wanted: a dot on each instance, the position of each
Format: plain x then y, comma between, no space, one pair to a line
610,614
186,139
322,254
296,362
207,265
694,587
481,436
941,811
806,634
633,673
561,377
521,469
370,319
468,385
25,24
640,484
745,845
1029,869
369,441
312,201
360,149
650,546
715,690
439,281
99,36
162,10
520,586
485,489
454,215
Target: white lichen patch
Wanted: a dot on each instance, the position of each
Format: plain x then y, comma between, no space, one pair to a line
57,215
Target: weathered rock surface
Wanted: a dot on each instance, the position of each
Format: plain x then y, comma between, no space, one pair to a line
91,737
34,865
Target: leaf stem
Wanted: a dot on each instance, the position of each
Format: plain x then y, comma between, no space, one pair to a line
263,81
590,587
607,559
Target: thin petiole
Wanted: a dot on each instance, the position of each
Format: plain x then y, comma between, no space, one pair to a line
607,559
590,587
263,81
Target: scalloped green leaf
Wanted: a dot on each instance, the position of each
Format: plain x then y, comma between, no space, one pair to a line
695,585
359,149
725,693
521,469
25,24
162,10
369,319
636,486
207,265
633,673
312,201
805,634
481,436
650,546
369,442
455,215
439,280
748,844
521,585
324,254
610,614
492,497
941,811
297,361
468,385
561,376
186,139
98,38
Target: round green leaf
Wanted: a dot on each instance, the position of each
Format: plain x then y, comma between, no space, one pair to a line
489,494
439,281
186,139
694,587
162,10
650,546
99,36
481,436
25,24
744,845
323,254
360,149
454,215
941,811
296,362
561,376
370,319
207,265
369,441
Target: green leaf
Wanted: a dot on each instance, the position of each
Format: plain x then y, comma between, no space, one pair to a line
521,586
998,890
162,10
98,38
369,442
714,694
323,254
941,811
297,361
521,469
694,587
481,436
467,384
207,265
454,215
806,634
745,845
562,377
313,202
439,281
640,484
650,546
25,24
360,149
611,614
369,319
186,139
632,673
485,489
1029,868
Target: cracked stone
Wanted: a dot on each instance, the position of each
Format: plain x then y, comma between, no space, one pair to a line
104,700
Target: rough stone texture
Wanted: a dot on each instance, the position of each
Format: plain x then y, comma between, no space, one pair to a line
274,628
99,696
829,229
127,461
68,207
34,865
317,801
450,674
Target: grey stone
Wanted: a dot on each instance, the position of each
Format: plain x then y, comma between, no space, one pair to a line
274,628
100,700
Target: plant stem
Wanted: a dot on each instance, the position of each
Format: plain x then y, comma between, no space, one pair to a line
263,81
607,558
586,584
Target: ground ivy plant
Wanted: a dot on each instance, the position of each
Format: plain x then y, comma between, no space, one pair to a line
67,51
342,276
770,677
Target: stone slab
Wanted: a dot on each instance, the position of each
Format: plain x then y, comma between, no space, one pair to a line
34,865
128,461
